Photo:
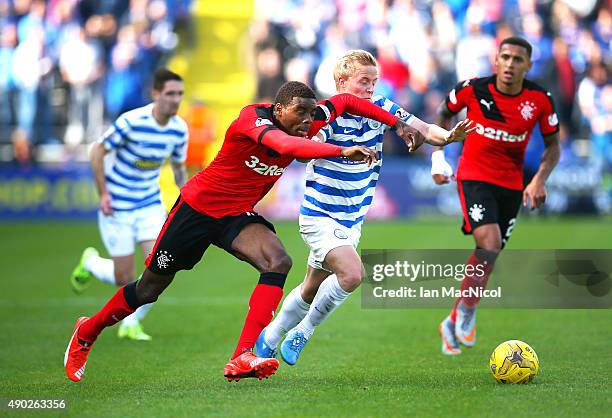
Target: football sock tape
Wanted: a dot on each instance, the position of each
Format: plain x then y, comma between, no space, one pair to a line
273,279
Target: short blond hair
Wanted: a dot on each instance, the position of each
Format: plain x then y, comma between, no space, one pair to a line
347,63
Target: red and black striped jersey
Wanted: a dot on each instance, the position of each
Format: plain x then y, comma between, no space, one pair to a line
255,153
495,152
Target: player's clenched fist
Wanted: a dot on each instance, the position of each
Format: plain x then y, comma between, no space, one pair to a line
360,153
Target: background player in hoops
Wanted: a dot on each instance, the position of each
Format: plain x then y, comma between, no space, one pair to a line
126,162
216,207
505,108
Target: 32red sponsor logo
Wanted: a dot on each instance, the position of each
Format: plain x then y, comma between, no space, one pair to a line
263,168
499,134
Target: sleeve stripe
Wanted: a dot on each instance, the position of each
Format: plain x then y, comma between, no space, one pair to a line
331,108
326,113
263,132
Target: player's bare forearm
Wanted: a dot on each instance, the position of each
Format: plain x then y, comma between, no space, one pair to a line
180,174
433,134
96,158
440,136
443,119
550,158
436,135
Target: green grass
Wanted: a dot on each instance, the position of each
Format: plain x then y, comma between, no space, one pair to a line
360,362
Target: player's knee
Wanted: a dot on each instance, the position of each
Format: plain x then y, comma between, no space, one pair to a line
150,286
280,263
350,280
148,293
493,245
489,242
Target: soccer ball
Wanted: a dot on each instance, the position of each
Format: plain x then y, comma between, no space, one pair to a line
514,362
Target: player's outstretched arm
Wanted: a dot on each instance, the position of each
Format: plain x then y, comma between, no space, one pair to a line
333,107
535,192
96,158
297,147
436,135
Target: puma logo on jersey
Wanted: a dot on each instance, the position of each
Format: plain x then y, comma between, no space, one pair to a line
486,103
263,168
499,134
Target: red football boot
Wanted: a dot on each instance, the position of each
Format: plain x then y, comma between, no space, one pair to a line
77,351
248,364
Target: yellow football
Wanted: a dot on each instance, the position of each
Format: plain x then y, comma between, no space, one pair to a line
514,362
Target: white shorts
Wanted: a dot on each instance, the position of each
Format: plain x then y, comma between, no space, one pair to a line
123,229
323,234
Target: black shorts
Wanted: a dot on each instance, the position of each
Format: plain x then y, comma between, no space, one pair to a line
187,233
486,203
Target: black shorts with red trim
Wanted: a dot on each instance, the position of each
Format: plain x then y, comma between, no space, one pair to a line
486,203
187,234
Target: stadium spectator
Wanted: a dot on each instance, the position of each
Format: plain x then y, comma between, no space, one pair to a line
43,59
595,101
81,65
442,42
424,34
474,50
270,76
8,41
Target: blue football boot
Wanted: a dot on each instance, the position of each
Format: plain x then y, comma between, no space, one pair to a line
292,346
262,348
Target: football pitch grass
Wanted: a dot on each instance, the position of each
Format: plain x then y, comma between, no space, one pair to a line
375,363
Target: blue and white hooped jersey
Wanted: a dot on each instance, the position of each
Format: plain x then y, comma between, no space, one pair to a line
141,145
337,187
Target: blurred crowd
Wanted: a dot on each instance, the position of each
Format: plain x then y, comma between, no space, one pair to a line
424,47
67,66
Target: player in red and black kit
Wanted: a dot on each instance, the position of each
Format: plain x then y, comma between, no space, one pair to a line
216,207
505,108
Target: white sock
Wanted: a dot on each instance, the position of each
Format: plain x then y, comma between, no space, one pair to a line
103,269
137,316
293,310
329,296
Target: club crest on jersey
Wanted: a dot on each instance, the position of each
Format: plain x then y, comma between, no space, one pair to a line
374,124
261,122
527,109
164,259
477,212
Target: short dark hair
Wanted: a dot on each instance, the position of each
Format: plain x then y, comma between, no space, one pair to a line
162,75
292,89
517,40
